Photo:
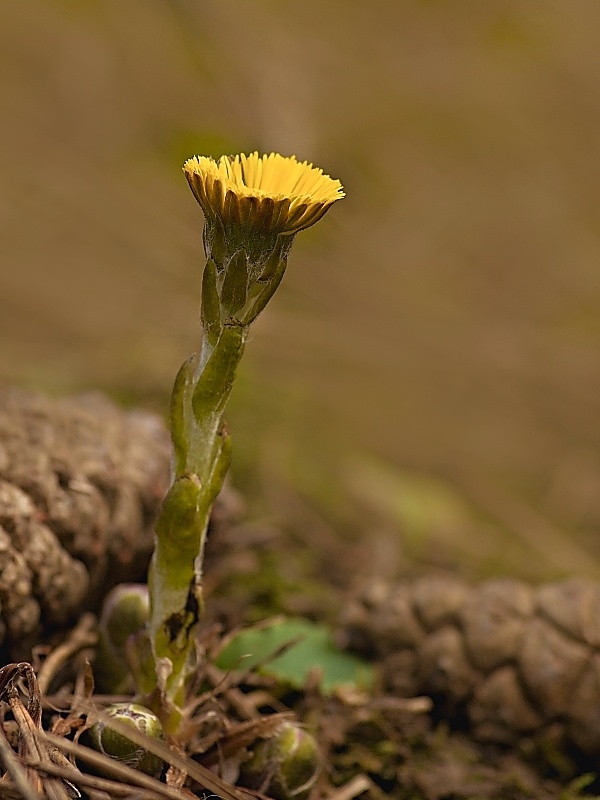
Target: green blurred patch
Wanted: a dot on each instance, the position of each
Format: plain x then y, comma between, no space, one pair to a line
311,646
421,504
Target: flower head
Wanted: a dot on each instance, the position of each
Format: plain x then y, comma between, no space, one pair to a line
267,194
253,207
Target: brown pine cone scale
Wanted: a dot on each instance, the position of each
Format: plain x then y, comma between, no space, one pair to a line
81,481
516,660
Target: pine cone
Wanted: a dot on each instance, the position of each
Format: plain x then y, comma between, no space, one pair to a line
80,483
512,660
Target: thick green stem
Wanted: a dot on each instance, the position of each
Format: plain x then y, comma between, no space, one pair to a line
230,302
202,456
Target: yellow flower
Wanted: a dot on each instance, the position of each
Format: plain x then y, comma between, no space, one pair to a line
269,194
253,208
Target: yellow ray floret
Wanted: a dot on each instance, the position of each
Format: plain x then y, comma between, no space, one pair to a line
272,193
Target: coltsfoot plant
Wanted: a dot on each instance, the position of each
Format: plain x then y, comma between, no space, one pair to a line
253,208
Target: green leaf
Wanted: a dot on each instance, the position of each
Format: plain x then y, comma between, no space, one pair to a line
235,284
210,310
313,646
180,413
216,380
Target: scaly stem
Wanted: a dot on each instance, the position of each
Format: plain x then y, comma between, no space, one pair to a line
202,455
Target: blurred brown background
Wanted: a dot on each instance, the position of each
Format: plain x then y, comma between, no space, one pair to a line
433,352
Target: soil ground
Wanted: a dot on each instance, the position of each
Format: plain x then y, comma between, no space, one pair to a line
255,571
413,735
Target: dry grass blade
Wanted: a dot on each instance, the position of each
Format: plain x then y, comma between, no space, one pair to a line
352,789
8,791
83,635
113,788
10,674
127,774
13,767
30,746
29,724
198,773
242,735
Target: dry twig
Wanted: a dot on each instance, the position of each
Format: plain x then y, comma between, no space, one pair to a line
83,635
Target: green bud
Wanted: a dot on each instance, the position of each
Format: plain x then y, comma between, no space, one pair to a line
285,766
125,613
115,745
